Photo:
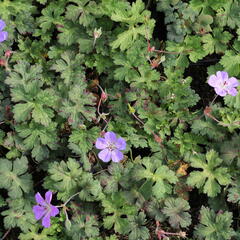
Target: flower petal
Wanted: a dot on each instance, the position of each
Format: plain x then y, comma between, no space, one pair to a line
48,197
120,144
46,222
110,137
101,143
117,156
3,36
233,82
213,81
39,199
2,25
105,155
232,91
54,211
38,211
221,92
222,75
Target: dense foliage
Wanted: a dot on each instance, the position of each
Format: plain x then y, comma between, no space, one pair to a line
71,70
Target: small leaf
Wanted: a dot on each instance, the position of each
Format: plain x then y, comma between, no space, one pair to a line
214,226
212,174
176,210
68,224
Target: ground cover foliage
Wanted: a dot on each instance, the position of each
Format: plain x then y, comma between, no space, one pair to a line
74,69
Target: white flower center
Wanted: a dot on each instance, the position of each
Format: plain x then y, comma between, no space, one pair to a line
111,146
224,85
47,207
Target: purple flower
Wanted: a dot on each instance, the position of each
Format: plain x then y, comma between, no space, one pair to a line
44,209
222,84
110,146
3,34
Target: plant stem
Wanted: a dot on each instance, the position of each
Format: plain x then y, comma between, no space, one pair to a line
131,154
138,119
163,51
98,107
103,170
64,204
213,100
148,4
6,233
74,195
107,122
100,88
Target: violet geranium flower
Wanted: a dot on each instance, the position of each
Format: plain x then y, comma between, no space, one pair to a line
44,209
222,84
110,146
3,34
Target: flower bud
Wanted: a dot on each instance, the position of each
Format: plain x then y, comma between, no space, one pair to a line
97,33
151,49
157,138
102,133
104,96
182,234
2,62
207,111
8,53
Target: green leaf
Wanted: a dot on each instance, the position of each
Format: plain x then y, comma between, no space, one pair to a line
146,77
81,141
127,38
22,111
203,23
19,215
36,134
83,227
231,62
67,178
79,106
207,128
68,224
214,226
176,211
212,175
160,176
111,179
2,135
120,210
154,210
83,12
51,16
137,20
64,177
14,177
42,1
193,43
69,33
233,14
36,233
13,154
232,101
69,66
138,230
230,150
42,115
2,202
216,42
23,73
38,103
234,192
38,106
130,15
